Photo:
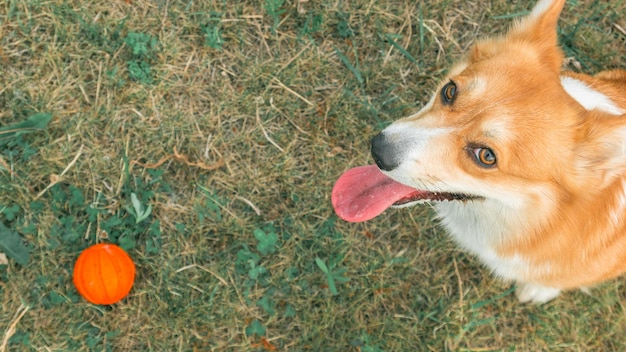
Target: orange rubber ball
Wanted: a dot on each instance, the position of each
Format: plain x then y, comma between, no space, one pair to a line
104,274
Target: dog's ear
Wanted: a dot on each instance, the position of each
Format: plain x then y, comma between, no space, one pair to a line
540,25
540,29
601,147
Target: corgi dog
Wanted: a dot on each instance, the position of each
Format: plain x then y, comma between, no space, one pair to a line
525,165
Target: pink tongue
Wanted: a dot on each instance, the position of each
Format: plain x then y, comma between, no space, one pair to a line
364,192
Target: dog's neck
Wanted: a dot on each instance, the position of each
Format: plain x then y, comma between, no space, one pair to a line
481,227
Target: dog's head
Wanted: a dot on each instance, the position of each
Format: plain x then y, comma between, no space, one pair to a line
500,127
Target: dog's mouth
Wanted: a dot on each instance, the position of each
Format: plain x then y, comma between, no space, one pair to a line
363,193
426,196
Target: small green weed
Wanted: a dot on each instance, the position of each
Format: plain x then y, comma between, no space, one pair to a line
267,304
14,145
134,222
141,44
35,122
212,32
273,8
12,138
10,212
138,211
11,244
20,338
142,47
312,25
140,71
364,344
255,329
247,262
343,27
114,79
332,276
130,225
267,241
211,207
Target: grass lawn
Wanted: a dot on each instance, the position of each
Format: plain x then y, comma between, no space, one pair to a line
229,122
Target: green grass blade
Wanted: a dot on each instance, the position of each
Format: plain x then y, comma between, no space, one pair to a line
481,304
331,284
34,123
320,263
511,15
347,63
401,49
422,30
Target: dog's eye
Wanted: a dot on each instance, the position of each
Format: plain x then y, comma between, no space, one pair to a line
448,93
484,157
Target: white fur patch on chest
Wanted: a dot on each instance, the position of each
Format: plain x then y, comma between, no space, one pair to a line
587,97
478,234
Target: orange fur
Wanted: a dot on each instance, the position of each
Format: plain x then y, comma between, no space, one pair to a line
551,214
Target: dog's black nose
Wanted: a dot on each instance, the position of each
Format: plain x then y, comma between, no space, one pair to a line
383,153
